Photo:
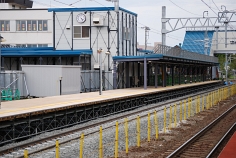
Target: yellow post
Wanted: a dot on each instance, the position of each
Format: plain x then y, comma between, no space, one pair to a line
138,131
180,106
25,153
81,145
57,149
170,118
191,106
165,120
199,105
156,123
100,144
149,128
196,105
126,136
185,110
203,102
175,116
116,139
188,107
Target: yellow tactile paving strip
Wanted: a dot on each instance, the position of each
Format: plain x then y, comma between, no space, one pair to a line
19,107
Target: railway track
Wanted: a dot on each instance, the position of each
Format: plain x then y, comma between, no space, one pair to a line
74,131
221,144
201,144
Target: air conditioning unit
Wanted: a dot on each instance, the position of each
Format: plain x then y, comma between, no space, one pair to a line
98,21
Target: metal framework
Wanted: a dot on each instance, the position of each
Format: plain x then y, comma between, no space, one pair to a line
28,125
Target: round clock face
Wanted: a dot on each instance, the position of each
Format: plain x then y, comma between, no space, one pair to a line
81,18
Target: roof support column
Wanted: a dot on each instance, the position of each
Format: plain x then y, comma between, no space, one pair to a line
145,73
156,75
114,75
139,79
191,74
210,73
172,75
127,75
180,68
163,75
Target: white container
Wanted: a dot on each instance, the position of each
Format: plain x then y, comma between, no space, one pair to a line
52,80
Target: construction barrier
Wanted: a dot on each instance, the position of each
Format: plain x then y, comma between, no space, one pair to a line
147,126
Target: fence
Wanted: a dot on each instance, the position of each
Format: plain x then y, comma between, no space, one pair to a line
90,80
110,141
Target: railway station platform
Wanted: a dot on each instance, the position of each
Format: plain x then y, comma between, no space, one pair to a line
21,119
229,150
23,107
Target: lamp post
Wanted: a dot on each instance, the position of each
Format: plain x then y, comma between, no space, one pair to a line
1,40
100,70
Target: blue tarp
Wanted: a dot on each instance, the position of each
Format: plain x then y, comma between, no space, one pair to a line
42,51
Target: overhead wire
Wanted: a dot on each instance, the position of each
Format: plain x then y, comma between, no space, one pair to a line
183,8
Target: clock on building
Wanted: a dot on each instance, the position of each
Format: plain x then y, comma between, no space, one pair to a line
81,18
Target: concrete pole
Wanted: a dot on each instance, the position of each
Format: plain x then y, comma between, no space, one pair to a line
217,30
226,55
163,31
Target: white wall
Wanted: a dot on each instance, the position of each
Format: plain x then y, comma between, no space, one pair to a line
99,35
27,37
231,36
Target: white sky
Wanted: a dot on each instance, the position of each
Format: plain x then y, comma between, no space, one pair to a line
149,13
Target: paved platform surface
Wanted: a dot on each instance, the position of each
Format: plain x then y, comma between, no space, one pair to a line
229,150
26,106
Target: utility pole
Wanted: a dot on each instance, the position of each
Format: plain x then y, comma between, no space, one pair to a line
147,29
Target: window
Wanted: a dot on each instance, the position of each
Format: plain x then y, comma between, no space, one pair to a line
81,31
42,45
34,25
20,45
20,25
31,25
45,25
126,33
31,45
4,25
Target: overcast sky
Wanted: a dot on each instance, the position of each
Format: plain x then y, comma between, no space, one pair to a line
149,13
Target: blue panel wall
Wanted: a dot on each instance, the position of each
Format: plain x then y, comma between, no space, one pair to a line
194,41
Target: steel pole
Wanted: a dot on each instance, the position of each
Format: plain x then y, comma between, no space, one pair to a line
226,55
163,31
100,72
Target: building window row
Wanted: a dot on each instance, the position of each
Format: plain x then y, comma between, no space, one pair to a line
31,25
23,45
81,31
4,25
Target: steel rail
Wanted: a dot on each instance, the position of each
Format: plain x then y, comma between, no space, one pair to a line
200,133
48,138
232,129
